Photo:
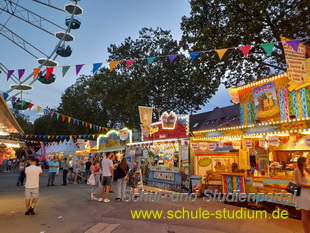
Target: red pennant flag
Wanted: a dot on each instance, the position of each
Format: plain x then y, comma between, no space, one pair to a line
75,136
63,117
30,105
129,62
86,124
245,50
53,137
49,71
308,50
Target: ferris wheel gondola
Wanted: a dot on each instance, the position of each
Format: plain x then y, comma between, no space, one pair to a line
37,19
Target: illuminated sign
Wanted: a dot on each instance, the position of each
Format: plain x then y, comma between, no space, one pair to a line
169,120
154,130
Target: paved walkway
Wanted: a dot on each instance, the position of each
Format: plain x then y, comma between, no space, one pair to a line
66,209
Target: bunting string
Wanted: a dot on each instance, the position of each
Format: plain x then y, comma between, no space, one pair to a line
268,47
64,118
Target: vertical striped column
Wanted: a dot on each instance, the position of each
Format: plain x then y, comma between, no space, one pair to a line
253,112
304,104
281,103
241,114
295,104
286,103
299,105
249,113
245,114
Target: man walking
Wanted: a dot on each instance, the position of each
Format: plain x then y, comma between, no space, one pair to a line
65,168
107,171
32,186
53,165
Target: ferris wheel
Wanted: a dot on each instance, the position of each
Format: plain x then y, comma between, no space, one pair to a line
38,16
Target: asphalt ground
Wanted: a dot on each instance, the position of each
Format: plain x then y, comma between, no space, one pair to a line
66,209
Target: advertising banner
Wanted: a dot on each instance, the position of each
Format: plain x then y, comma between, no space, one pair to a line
145,114
266,103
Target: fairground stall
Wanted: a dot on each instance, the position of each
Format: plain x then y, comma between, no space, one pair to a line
274,132
114,141
163,153
8,125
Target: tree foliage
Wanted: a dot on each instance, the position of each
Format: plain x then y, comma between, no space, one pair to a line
219,24
23,121
111,99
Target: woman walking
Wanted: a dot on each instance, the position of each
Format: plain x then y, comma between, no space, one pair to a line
22,166
122,178
302,179
134,177
94,169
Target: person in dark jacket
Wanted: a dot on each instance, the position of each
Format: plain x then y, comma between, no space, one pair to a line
122,178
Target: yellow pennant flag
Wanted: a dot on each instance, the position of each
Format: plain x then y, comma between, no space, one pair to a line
90,126
69,119
36,72
70,136
113,64
48,137
221,52
94,135
38,109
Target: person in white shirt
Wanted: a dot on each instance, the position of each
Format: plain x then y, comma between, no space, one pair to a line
33,173
107,172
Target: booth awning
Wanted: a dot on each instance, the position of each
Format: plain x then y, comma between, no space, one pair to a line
13,143
8,123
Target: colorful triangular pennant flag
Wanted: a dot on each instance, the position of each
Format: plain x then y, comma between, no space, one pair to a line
172,57
49,71
78,68
245,49
21,72
221,52
96,66
5,95
10,72
69,119
65,70
308,50
129,62
294,44
36,72
113,64
194,55
30,105
150,60
38,109
268,48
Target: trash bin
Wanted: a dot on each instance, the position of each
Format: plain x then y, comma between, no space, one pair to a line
196,184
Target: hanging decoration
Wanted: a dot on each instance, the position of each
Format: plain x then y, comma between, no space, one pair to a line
294,45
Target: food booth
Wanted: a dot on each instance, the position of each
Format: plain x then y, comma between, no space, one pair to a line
8,125
163,153
114,141
274,132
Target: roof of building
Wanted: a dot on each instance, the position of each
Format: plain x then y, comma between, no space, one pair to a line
217,118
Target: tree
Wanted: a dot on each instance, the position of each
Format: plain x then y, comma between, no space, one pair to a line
180,86
23,121
219,24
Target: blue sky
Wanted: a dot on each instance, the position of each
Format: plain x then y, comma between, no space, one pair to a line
103,23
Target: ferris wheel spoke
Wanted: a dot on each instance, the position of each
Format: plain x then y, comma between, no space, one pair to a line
49,4
30,17
19,41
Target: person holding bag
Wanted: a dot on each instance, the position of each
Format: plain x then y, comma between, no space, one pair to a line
94,179
302,179
122,178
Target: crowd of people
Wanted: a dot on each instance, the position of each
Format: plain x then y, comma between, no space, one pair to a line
99,174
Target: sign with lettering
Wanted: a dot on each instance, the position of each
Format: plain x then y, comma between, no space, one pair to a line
153,130
273,140
164,176
307,140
